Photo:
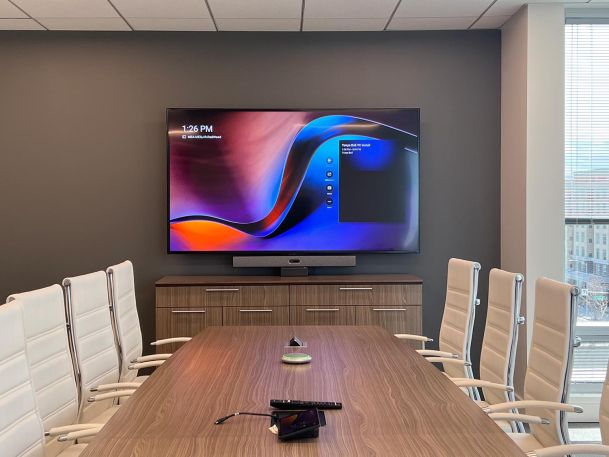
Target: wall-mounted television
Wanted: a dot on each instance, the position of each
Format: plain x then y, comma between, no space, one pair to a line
293,181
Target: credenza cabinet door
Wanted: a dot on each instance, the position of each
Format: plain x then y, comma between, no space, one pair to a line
322,315
221,295
355,294
256,315
396,319
175,322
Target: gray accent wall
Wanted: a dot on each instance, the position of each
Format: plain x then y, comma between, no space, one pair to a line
82,142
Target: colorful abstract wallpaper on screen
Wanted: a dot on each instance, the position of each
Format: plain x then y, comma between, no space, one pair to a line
293,181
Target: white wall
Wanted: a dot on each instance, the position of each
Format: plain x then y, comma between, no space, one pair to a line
532,153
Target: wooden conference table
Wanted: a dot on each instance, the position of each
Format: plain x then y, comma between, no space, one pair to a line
394,402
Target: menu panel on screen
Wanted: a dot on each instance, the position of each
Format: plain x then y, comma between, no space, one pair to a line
293,181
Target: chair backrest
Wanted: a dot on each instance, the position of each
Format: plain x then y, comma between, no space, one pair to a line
550,357
459,308
127,321
50,360
93,335
500,332
21,432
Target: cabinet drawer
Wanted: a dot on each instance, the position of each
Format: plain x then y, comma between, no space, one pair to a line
396,319
256,315
322,315
175,322
203,296
359,294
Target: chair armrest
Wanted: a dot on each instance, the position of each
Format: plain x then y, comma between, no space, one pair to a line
449,361
533,404
433,353
465,382
519,417
72,436
567,449
152,363
108,395
408,336
179,339
150,358
116,385
70,428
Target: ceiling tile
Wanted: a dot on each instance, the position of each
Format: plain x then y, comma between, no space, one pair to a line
509,7
190,25
187,9
505,7
343,25
268,9
442,8
8,10
431,23
91,23
258,25
341,9
67,8
490,22
19,24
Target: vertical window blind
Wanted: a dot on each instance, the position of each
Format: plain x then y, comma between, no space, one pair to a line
587,123
587,199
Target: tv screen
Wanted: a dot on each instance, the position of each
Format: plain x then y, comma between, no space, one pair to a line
286,181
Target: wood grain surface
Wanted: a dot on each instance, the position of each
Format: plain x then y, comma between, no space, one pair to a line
322,315
222,295
313,279
395,403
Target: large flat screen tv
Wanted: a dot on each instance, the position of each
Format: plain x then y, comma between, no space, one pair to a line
287,181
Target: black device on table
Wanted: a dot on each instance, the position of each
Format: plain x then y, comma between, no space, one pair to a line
304,404
299,424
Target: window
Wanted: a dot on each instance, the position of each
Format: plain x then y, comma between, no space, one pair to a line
587,162
587,198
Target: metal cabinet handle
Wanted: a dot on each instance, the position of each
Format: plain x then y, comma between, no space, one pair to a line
190,311
388,309
226,289
255,310
314,310
355,288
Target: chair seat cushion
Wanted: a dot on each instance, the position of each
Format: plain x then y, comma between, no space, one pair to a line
525,441
73,451
482,404
105,415
101,419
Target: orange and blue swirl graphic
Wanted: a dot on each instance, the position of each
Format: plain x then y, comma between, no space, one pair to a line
293,181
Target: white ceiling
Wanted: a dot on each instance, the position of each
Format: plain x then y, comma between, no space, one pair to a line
265,15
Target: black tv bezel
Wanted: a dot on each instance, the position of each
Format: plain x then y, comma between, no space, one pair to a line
289,253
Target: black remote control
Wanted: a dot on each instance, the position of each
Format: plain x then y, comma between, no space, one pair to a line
303,404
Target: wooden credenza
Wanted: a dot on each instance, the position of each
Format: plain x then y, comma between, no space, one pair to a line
185,305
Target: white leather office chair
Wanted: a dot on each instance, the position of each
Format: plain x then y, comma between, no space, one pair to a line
548,371
500,339
21,429
127,323
578,449
51,365
457,321
88,309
